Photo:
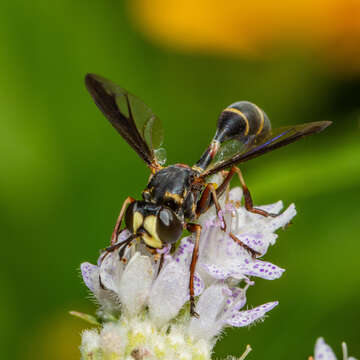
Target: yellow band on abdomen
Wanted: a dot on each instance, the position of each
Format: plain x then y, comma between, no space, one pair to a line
236,111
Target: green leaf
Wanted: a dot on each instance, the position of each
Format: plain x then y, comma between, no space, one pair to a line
88,318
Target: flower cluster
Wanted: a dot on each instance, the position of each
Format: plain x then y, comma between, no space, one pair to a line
144,308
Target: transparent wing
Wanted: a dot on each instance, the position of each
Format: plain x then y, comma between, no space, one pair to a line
234,151
230,148
134,120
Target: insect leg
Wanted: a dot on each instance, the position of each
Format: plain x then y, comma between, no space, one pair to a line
248,200
121,245
208,198
115,233
246,247
204,202
194,228
161,263
211,190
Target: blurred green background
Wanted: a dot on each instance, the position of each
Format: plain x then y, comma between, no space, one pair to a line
65,171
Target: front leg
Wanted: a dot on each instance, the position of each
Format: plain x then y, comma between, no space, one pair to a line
115,233
194,228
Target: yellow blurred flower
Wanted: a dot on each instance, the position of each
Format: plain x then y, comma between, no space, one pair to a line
57,338
254,28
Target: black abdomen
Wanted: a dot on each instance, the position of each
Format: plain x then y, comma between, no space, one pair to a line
243,121
240,120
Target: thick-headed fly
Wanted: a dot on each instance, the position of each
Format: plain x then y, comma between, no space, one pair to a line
176,195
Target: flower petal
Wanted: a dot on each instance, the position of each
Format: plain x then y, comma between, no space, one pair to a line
210,304
236,300
220,249
90,275
282,219
323,351
257,241
169,292
216,271
111,269
247,317
274,208
262,269
124,234
135,283
91,278
184,251
199,285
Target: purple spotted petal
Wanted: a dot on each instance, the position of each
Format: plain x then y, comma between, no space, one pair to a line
216,272
89,274
247,317
263,269
255,241
198,285
183,253
238,298
323,351
283,219
235,301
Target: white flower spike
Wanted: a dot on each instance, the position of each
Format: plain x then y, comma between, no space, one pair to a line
144,311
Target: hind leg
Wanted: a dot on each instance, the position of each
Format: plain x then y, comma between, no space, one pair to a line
203,205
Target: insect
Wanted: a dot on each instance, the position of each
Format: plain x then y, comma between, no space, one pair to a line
177,195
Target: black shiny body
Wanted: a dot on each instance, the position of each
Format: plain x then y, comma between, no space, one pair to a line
177,195
180,188
175,187
242,121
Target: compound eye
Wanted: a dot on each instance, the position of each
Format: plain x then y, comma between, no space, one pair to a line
168,227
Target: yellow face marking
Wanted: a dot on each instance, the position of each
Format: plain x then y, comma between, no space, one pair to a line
198,169
176,197
262,119
137,221
236,111
151,239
